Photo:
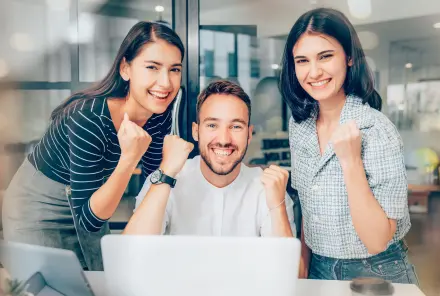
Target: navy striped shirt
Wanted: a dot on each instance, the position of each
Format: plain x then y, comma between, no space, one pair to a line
81,149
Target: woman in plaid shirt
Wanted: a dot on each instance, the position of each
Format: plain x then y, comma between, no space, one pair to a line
347,157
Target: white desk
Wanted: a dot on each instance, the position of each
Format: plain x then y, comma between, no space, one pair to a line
305,287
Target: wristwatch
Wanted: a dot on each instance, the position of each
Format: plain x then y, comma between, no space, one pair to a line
158,177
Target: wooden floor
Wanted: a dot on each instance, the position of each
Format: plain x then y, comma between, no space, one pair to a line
424,247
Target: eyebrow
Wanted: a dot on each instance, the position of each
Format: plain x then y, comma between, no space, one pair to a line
233,120
160,64
320,53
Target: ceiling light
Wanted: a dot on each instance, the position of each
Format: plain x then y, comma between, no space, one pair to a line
360,9
58,4
369,40
437,26
275,66
85,31
21,42
408,65
159,8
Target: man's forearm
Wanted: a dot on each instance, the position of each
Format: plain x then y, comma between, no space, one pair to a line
280,222
149,216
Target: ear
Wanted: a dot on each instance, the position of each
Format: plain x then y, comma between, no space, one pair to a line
250,132
124,68
350,62
195,131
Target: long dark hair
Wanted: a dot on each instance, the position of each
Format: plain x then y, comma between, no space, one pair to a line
113,85
359,79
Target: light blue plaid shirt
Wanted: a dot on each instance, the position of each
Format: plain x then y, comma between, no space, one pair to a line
328,227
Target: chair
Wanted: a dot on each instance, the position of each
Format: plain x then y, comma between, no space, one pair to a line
297,213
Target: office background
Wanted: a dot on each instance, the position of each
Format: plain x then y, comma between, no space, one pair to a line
51,48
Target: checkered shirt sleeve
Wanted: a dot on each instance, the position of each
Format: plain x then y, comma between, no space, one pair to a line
385,168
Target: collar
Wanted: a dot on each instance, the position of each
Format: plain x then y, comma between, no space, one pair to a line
306,137
208,186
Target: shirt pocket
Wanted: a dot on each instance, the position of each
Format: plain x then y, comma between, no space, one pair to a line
323,200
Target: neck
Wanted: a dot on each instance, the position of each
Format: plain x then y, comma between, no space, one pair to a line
137,113
216,180
330,109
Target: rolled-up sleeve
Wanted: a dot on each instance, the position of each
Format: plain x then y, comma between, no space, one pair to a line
385,169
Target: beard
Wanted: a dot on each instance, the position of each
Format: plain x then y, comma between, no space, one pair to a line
221,171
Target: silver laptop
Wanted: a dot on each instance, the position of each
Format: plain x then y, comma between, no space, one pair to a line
46,271
200,266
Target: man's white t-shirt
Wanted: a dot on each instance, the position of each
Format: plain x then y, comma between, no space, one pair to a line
196,207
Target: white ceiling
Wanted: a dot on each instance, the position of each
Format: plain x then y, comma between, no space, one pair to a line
390,19
405,40
401,29
276,17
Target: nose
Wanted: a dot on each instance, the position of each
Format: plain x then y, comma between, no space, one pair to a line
224,136
315,71
164,79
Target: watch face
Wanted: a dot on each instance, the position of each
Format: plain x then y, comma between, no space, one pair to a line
155,176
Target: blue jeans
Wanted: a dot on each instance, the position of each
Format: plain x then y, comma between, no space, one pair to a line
392,265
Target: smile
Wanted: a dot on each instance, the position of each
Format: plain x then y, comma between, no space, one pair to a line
223,152
159,95
320,83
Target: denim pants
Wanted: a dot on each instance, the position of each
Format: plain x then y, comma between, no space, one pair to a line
392,265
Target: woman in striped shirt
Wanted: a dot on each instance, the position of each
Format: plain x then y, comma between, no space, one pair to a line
73,181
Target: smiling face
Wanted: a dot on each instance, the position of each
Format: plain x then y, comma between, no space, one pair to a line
320,65
223,132
154,76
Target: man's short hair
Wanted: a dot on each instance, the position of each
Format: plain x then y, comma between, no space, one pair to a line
224,87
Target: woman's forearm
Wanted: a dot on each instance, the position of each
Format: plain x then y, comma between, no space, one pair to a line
105,200
369,219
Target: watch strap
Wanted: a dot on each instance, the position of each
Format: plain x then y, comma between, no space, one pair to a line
168,180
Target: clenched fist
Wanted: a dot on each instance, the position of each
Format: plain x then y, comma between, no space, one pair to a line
133,140
175,154
275,180
346,141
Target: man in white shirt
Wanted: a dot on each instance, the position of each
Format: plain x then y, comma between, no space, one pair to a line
214,194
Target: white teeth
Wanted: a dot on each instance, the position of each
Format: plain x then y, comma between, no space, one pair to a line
222,152
319,83
159,95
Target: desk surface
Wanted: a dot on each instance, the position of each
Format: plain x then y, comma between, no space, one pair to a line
423,188
304,287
